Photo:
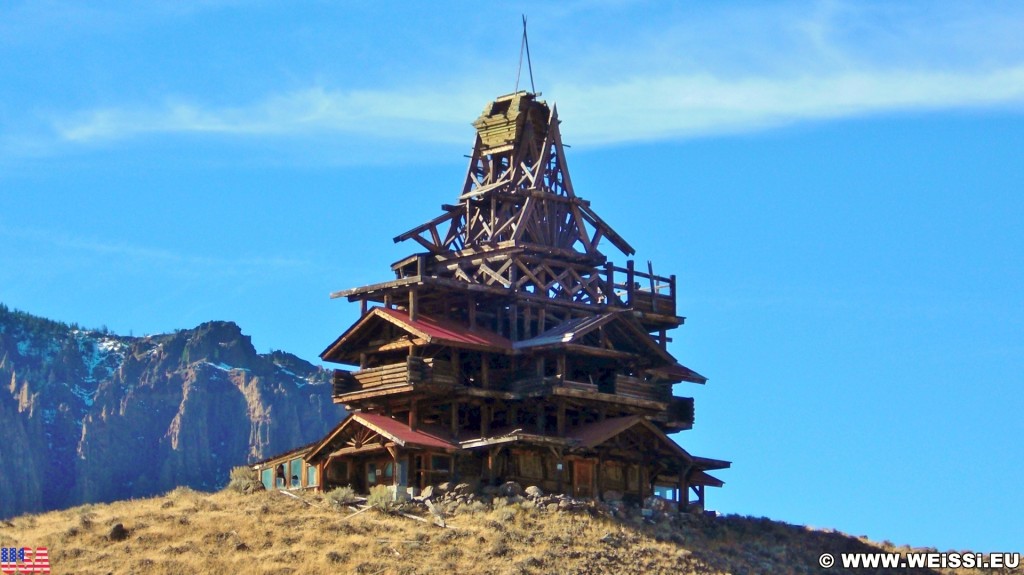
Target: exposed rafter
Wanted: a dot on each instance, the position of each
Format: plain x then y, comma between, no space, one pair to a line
517,190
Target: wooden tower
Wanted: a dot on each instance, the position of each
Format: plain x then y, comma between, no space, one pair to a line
510,347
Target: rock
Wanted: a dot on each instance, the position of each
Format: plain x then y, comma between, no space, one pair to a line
564,504
118,533
612,495
534,492
151,413
510,489
552,507
462,489
444,487
427,493
657,503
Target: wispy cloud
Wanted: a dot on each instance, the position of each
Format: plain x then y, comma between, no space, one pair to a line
642,108
397,115
653,108
719,71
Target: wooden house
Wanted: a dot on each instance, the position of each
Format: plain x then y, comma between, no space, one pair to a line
509,347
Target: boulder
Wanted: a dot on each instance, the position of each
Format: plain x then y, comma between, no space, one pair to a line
534,492
118,533
510,489
612,495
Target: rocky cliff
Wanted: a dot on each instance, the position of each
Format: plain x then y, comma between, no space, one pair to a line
88,416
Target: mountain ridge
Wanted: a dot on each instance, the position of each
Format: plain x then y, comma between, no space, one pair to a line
94,416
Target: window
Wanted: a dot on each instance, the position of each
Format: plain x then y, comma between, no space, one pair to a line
311,476
440,463
295,473
666,492
267,476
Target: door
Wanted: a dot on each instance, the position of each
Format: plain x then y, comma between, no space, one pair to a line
583,479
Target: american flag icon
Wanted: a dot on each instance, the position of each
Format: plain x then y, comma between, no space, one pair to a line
18,560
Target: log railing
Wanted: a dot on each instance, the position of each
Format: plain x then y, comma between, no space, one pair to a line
412,371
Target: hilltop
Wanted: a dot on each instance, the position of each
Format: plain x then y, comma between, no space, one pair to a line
267,532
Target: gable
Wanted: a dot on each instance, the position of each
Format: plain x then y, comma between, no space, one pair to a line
383,328
617,331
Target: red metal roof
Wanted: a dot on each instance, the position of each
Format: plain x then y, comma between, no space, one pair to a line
444,331
401,433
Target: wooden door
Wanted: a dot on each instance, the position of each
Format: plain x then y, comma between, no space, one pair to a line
583,479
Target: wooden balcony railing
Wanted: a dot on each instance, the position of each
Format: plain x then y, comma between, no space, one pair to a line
641,291
412,371
638,388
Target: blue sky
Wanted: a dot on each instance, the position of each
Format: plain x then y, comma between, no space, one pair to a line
837,186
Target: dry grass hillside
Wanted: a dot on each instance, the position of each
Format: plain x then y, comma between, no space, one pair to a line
189,532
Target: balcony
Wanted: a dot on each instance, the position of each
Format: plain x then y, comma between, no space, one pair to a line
679,415
414,371
643,292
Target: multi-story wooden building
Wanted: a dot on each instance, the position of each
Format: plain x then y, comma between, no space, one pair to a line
509,347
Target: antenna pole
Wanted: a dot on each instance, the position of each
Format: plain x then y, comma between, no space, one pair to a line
524,45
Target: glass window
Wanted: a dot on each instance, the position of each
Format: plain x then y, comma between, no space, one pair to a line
268,478
389,470
440,463
295,473
666,492
311,478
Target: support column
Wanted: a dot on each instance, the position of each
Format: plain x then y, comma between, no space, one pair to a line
413,311
397,481
485,420
485,370
413,414
645,484
684,487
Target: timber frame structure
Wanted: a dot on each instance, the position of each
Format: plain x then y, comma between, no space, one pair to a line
510,347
